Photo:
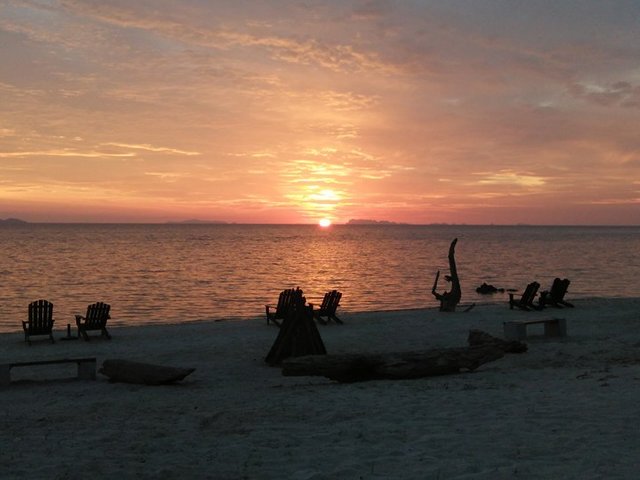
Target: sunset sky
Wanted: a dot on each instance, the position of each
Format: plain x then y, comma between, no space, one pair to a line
521,111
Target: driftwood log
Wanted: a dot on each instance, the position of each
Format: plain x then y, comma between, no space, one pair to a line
478,337
127,371
407,365
449,300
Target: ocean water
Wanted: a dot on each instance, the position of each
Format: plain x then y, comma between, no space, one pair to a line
184,273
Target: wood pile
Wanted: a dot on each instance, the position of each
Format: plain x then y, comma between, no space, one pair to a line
298,334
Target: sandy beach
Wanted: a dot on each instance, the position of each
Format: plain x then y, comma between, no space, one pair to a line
567,408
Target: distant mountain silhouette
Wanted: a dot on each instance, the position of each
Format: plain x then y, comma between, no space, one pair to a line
12,221
196,221
364,221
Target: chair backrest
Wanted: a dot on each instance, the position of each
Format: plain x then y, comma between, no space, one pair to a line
530,293
97,314
331,301
283,300
297,301
559,289
286,299
40,316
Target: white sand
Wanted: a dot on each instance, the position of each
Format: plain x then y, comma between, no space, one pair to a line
565,409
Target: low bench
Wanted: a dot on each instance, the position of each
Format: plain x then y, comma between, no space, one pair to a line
553,327
86,368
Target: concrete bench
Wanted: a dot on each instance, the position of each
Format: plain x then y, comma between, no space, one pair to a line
553,327
86,368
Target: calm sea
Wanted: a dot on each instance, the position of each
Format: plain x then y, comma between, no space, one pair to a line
182,273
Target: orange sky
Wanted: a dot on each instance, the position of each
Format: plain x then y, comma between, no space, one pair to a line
288,111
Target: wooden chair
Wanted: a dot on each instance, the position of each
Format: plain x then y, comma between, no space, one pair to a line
40,320
555,296
525,302
95,319
328,308
284,302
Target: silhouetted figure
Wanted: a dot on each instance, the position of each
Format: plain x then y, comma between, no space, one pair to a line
449,300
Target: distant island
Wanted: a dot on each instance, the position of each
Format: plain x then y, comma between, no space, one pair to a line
194,221
364,221
12,221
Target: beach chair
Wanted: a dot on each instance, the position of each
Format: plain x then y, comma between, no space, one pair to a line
95,319
525,302
328,307
274,314
40,321
555,296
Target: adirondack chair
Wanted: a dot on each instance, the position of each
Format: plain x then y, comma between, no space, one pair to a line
284,302
555,296
40,320
525,302
328,308
95,319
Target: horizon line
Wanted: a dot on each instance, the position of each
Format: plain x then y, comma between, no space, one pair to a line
380,224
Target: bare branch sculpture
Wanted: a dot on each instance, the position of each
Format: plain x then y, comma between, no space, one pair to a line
449,300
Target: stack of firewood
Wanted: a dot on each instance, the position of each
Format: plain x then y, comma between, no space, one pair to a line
298,335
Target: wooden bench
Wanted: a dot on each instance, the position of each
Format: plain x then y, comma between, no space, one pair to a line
86,368
553,327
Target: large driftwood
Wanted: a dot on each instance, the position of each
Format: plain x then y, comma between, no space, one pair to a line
449,300
127,371
478,337
407,365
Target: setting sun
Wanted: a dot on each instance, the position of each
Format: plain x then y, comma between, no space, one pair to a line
325,222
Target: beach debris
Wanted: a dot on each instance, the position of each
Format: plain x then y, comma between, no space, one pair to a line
349,368
487,289
478,337
298,334
127,371
468,308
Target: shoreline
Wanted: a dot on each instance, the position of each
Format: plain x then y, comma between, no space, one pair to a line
60,328
564,408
